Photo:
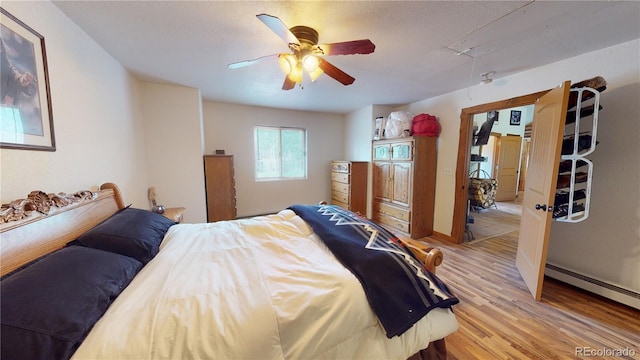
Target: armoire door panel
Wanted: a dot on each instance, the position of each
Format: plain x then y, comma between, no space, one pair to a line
402,179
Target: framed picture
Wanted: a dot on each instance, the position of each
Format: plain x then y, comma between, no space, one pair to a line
515,117
26,119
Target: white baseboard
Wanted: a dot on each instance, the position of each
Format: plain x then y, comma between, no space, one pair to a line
600,287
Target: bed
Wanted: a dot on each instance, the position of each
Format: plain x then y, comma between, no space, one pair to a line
75,285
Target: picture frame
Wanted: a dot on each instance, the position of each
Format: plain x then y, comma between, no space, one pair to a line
26,116
379,128
515,117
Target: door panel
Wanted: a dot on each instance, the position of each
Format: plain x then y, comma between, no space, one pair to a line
401,184
508,166
540,186
523,164
381,178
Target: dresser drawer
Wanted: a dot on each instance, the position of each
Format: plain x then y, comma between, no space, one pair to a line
341,187
391,221
341,197
343,167
396,212
340,177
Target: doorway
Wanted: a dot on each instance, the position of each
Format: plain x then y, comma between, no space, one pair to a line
460,209
495,210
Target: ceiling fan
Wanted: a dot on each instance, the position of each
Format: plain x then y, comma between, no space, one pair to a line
306,54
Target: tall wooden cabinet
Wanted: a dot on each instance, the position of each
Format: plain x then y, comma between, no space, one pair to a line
349,185
220,187
404,179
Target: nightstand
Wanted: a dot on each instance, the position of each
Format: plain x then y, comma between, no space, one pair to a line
174,214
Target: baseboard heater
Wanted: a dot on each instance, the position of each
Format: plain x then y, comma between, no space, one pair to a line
603,288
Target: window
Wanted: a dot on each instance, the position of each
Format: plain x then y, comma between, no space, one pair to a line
281,153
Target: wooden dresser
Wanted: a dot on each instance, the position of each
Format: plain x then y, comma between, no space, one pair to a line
220,186
404,179
349,185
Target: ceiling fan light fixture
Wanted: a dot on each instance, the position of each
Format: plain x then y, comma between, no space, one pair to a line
306,55
296,73
310,63
314,75
287,63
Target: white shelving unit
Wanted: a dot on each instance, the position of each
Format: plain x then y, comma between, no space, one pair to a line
584,130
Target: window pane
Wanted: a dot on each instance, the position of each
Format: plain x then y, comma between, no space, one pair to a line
280,153
293,153
267,153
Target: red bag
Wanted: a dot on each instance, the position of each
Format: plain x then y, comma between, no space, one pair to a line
425,125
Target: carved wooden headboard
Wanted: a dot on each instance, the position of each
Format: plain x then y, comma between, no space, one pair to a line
43,223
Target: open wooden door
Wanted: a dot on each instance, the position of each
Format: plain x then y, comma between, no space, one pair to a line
537,210
508,165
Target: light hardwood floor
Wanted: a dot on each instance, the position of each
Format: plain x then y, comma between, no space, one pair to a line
496,220
491,222
500,320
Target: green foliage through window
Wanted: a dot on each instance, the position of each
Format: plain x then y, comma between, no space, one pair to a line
281,153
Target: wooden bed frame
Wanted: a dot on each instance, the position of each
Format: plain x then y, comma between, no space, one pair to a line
42,223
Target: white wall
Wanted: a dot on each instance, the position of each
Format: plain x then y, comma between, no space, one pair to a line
174,147
607,246
358,123
95,107
230,127
359,131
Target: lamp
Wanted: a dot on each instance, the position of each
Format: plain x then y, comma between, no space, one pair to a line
293,65
287,63
296,73
311,64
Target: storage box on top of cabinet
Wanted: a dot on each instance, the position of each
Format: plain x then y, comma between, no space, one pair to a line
349,185
404,184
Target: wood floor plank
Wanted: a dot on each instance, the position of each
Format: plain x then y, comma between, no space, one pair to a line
500,320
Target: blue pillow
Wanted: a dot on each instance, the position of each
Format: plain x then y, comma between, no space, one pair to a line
132,232
47,308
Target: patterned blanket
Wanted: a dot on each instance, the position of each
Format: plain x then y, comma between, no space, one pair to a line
399,288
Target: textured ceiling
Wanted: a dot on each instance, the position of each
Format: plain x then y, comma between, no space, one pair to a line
190,43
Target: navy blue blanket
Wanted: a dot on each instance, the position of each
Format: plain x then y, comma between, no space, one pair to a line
399,288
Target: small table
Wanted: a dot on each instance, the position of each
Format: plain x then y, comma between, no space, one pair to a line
174,214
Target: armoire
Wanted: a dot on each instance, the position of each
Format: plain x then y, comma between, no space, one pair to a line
404,178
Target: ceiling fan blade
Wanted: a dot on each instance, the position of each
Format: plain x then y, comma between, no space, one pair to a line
277,26
288,84
348,47
336,73
240,64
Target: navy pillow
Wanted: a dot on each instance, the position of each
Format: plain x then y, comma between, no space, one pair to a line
132,232
47,309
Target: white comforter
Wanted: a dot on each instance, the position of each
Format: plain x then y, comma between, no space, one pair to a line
261,288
